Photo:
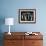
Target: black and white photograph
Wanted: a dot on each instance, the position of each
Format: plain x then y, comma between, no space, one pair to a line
27,15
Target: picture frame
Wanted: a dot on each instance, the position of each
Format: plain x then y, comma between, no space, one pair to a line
27,15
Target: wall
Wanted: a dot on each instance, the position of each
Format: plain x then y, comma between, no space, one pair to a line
9,8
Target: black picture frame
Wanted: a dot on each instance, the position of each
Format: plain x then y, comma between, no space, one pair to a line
27,15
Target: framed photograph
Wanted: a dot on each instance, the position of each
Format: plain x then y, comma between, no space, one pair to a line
27,15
